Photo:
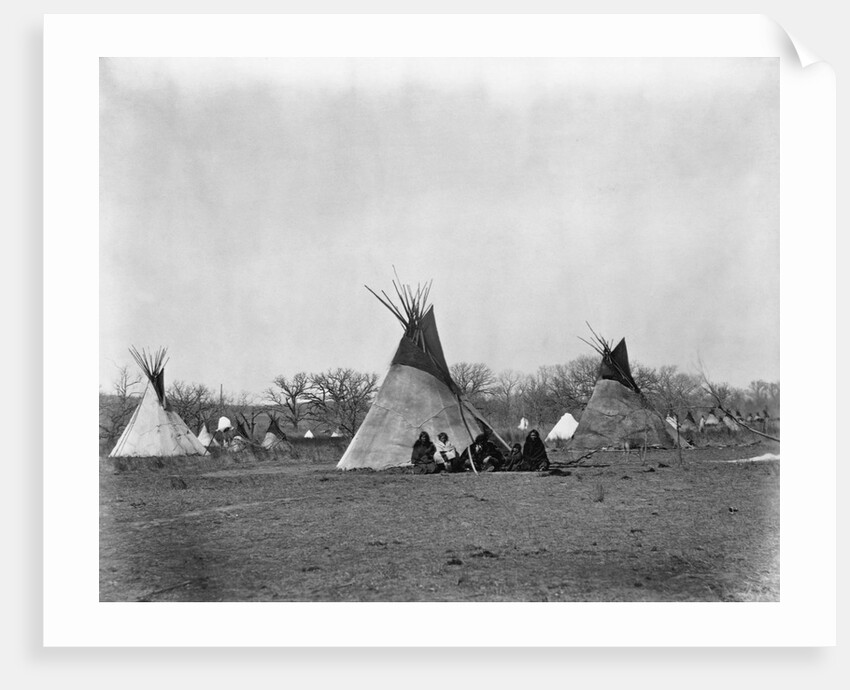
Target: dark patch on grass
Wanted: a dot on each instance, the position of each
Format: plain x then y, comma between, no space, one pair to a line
484,553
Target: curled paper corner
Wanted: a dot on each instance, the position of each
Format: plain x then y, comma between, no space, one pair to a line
794,49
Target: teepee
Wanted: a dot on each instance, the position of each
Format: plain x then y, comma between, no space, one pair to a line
712,419
242,429
274,436
205,437
417,394
617,412
155,430
564,429
309,434
730,423
523,424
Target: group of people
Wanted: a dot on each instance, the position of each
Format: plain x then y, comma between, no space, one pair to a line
482,455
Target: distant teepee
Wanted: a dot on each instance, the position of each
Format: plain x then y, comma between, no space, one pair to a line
564,429
205,437
274,436
155,430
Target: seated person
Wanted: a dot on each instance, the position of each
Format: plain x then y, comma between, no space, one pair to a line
422,456
534,453
513,463
484,454
446,451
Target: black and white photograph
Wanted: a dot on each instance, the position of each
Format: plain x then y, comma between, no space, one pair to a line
439,329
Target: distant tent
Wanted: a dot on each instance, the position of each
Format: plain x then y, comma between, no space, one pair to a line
242,429
273,436
418,393
155,430
712,419
523,424
309,434
206,438
617,412
730,423
336,434
564,429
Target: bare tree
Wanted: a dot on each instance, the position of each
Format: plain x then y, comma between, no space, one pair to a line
340,398
673,390
503,402
475,379
570,385
194,402
117,407
536,395
290,397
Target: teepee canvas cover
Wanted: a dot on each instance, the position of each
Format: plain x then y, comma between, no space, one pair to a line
205,437
155,430
617,412
711,419
417,394
616,415
564,429
273,436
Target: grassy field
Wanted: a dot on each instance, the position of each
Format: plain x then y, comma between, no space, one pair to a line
259,527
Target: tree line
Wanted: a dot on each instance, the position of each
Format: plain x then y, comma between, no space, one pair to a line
339,398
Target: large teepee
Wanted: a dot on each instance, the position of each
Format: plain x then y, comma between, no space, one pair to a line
417,394
617,412
155,430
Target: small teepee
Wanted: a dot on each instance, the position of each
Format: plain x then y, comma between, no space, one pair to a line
730,423
618,413
309,434
564,429
274,436
523,424
155,430
242,429
712,420
206,438
417,394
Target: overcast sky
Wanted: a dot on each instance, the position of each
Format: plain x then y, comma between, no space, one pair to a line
245,203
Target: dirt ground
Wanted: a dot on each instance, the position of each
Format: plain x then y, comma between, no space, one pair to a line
265,528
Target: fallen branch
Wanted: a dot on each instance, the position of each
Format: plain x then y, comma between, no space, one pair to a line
583,457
